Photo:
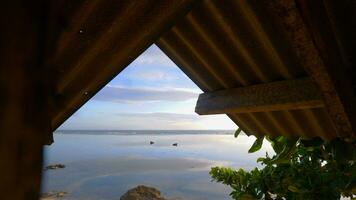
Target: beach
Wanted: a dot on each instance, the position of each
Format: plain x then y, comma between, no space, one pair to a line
104,165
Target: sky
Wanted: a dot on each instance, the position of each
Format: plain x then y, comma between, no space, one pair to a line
151,93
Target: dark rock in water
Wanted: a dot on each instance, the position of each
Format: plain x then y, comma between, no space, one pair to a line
175,144
142,192
151,142
52,195
55,166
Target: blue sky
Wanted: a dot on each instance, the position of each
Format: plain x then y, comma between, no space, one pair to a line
151,93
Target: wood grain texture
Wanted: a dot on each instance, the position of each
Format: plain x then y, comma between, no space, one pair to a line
281,95
332,72
24,122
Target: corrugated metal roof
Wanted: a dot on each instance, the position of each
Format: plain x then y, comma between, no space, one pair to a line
242,43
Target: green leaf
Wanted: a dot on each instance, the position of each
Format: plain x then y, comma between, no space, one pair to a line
237,132
261,159
293,188
247,197
256,145
276,143
288,149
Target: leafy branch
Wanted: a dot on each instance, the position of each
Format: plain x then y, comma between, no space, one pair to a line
300,169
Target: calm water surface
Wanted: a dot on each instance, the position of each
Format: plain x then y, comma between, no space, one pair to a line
103,165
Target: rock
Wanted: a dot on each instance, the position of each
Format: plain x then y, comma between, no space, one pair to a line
151,142
175,144
55,166
142,192
52,195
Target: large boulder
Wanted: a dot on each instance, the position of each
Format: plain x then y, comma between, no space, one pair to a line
142,192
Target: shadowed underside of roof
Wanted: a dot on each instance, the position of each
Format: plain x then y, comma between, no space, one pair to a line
242,43
278,47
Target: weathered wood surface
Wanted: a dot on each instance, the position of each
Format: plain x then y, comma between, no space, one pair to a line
333,71
24,122
281,95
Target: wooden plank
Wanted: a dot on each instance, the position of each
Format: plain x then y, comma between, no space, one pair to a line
24,122
282,95
99,40
331,72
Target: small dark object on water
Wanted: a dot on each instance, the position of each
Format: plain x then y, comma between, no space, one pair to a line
55,166
175,144
151,142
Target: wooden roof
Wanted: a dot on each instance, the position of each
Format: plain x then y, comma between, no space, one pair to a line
304,46
237,44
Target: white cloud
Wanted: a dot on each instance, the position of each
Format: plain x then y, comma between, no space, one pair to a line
162,116
125,94
153,76
157,120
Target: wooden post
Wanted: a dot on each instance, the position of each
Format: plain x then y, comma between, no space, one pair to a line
24,123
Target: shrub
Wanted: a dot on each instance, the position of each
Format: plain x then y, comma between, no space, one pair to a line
300,169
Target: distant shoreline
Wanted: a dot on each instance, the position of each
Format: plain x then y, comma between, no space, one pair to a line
146,132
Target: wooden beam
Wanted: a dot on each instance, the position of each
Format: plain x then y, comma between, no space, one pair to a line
332,72
282,95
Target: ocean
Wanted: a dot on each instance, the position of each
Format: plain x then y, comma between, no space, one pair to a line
103,165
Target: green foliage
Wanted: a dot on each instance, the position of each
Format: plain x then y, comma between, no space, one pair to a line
237,132
256,145
300,169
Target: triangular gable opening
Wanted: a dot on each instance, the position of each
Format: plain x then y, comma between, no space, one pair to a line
151,93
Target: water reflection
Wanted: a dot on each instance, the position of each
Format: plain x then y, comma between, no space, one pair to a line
105,166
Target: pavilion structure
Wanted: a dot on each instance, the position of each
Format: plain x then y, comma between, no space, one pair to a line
274,67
